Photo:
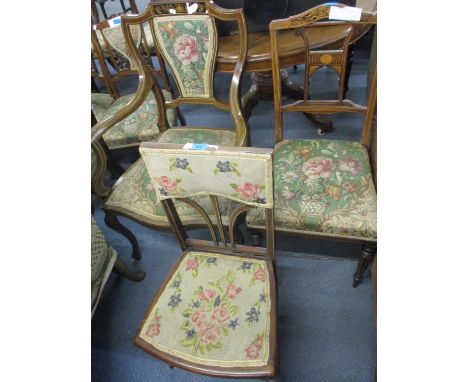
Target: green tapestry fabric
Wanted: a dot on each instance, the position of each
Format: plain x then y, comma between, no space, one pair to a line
140,126
188,44
186,134
322,187
240,175
135,193
215,310
102,260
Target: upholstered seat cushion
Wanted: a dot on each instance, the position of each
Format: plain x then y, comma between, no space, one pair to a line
322,187
134,194
182,135
214,311
140,126
102,261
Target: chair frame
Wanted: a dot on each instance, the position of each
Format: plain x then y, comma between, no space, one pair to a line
224,247
313,58
145,85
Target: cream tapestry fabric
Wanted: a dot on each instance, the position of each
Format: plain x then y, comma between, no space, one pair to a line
189,45
115,38
215,310
241,176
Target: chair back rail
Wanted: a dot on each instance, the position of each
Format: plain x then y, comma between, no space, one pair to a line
187,40
315,59
178,173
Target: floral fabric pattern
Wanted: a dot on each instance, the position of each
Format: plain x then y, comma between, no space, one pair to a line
182,135
135,193
211,312
189,46
140,126
241,176
323,186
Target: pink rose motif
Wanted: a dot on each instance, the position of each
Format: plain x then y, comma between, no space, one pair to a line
153,330
220,314
207,294
167,183
192,264
260,274
350,165
233,291
208,335
350,187
186,49
317,167
253,351
248,190
198,317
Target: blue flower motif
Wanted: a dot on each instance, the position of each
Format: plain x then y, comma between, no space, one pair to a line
163,191
253,315
224,166
182,163
175,300
211,260
260,200
191,333
176,284
246,265
233,323
262,298
197,304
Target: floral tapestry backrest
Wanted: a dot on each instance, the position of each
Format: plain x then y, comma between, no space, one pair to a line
241,175
189,44
115,38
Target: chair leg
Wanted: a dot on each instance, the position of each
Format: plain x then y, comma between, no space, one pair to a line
181,117
367,254
113,222
121,269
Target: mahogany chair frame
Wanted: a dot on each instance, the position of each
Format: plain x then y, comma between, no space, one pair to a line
225,245
314,60
145,85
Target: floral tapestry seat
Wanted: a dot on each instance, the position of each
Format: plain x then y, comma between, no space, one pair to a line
133,194
140,126
322,187
213,310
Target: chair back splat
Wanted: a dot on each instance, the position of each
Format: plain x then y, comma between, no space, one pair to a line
186,37
243,175
305,23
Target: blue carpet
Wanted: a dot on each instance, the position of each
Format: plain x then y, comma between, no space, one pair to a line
326,328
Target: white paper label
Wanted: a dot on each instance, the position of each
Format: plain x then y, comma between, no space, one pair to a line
191,8
345,13
115,22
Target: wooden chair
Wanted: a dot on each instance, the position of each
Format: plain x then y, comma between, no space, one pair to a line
216,312
108,46
132,195
323,188
187,40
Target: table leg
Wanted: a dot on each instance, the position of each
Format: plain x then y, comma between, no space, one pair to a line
262,89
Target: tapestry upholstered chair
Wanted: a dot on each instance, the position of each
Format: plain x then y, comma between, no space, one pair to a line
216,312
109,49
132,195
323,188
104,259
